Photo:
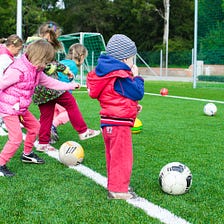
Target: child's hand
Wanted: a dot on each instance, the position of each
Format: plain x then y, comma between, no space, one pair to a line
139,108
134,70
77,85
71,75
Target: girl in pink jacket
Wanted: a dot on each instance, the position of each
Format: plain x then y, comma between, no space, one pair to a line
16,90
9,48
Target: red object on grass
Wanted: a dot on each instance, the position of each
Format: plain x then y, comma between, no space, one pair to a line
164,91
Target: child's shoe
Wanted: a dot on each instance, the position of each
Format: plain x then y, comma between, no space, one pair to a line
89,134
4,171
122,196
32,158
54,134
45,148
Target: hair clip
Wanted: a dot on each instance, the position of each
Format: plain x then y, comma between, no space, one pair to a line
15,41
51,25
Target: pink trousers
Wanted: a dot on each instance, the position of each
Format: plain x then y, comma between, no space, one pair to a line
60,115
15,137
119,157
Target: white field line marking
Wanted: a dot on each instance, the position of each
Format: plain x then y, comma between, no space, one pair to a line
186,98
177,97
150,209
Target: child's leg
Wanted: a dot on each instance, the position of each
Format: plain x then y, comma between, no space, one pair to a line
60,115
32,126
46,118
119,157
69,103
14,138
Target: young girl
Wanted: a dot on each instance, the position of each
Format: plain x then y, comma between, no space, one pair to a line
49,31
46,98
9,48
75,58
16,90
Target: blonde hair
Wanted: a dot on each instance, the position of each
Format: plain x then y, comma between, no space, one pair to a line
40,53
54,32
13,39
77,52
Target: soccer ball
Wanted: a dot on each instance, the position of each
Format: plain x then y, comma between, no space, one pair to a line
71,153
164,91
137,128
210,109
175,178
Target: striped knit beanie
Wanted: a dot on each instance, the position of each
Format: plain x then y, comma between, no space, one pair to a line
121,47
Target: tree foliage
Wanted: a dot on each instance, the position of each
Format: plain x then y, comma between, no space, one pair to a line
139,19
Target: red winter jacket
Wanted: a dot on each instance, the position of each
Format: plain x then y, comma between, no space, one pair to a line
115,108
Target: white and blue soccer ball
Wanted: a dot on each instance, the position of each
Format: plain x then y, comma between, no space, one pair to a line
210,109
175,178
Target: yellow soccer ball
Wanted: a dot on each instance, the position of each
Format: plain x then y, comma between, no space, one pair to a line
71,153
137,128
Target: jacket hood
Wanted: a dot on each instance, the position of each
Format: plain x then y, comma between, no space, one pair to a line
5,50
107,69
107,64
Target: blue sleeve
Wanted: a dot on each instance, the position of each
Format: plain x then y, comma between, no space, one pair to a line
62,77
130,88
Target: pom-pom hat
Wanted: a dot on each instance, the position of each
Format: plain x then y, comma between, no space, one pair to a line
121,47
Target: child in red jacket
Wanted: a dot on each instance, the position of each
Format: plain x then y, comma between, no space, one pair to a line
116,84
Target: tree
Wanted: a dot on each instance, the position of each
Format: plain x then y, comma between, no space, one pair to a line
138,19
7,17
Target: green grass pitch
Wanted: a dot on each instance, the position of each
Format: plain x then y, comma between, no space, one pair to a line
174,129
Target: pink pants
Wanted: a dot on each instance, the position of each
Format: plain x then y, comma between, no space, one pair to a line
119,157
60,115
67,101
15,137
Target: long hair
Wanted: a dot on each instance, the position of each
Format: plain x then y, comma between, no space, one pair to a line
77,52
40,53
54,32
13,39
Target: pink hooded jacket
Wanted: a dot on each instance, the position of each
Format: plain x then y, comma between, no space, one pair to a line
18,84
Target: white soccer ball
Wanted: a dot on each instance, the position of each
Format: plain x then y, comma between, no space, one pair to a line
210,109
71,153
175,178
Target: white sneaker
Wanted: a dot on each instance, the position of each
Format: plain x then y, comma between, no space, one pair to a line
3,132
122,196
45,148
89,134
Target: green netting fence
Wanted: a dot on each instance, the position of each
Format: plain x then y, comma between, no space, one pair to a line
94,42
211,43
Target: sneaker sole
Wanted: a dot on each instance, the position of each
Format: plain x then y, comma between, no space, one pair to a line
46,150
25,161
92,136
111,197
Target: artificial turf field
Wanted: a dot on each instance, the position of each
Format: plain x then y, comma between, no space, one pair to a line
174,129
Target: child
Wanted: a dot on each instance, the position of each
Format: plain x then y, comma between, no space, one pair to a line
75,57
50,31
16,89
115,83
46,99
9,48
